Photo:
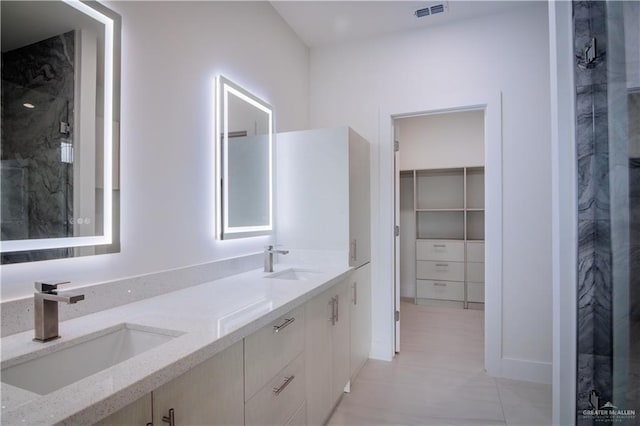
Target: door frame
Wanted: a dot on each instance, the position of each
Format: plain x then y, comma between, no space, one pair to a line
384,281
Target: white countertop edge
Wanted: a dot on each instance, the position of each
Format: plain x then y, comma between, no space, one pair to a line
74,404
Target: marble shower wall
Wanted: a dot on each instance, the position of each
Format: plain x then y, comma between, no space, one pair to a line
37,187
634,252
594,328
608,305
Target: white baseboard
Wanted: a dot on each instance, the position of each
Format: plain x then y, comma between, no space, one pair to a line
531,371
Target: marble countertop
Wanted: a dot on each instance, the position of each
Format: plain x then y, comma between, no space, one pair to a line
212,316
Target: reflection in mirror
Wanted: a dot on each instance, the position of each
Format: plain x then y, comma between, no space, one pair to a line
60,62
244,146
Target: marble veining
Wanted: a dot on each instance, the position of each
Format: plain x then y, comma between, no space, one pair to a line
40,74
607,147
594,304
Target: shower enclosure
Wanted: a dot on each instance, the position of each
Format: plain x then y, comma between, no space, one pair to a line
607,90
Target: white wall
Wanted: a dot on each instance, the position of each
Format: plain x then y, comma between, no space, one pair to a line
171,52
441,140
454,139
509,53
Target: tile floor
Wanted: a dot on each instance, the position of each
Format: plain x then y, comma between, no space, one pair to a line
438,379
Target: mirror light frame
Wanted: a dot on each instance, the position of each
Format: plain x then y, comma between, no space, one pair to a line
107,237
224,87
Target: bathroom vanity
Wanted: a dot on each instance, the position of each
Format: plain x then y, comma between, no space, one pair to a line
253,348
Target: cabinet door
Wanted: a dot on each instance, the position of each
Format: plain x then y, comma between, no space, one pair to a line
134,414
359,201
360,318
318,329
341,331
208,394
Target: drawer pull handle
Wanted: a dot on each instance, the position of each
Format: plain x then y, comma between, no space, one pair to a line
442,265
439,245
287,321
171,418
286,382
440,284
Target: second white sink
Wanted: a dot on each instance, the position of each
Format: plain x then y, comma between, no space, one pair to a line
294,274
83,357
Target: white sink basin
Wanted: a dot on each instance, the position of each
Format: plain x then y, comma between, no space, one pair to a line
294,274
84,356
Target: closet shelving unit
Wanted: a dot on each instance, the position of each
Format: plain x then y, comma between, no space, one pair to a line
449,218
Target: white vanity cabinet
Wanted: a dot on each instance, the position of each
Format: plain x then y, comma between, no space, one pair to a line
208,394
211,393
327,350
135,414
360,317
323,192
292,371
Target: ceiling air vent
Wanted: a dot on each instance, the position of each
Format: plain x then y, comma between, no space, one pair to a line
422,12
438,8
432,9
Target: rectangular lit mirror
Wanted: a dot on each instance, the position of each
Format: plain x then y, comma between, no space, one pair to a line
244,152
60,129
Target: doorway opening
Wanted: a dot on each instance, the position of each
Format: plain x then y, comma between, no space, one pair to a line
439,246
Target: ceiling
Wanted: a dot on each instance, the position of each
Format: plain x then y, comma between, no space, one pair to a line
321,23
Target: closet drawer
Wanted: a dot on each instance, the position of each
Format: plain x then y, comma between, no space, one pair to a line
442,290
475,252
440,250
271,348
475,272
475,292
281,397
442,270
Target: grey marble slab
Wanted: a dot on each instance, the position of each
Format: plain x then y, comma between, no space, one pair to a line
40,74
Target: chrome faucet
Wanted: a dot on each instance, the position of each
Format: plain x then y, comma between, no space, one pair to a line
268,257
45,301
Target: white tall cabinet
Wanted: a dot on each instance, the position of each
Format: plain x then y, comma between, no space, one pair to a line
323,204
323,192
448,207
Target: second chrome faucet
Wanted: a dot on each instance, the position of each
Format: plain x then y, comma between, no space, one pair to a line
268,257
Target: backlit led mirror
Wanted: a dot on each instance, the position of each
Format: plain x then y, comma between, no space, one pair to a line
60,130
244,153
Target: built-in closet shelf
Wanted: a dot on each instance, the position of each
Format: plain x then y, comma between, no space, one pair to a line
448,206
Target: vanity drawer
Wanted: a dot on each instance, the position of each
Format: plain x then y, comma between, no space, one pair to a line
281,397
442,270
442,290
440,250
475,272
475,292
300,417
271,348
475,252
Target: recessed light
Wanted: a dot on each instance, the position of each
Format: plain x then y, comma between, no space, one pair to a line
28,105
